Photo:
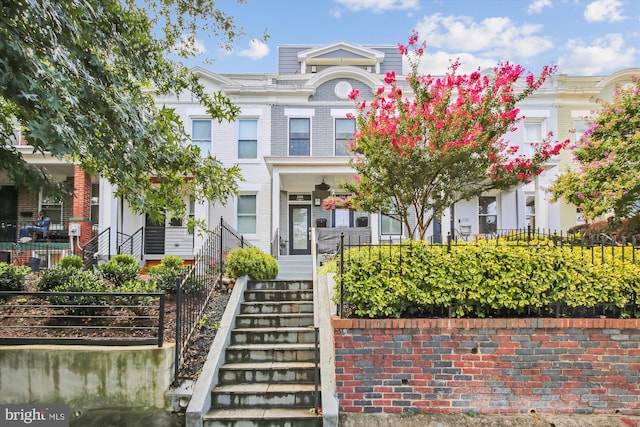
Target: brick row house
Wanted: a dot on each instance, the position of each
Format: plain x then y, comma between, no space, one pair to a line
290,141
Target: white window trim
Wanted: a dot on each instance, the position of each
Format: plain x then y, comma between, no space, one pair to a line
248,193
310,134
237,129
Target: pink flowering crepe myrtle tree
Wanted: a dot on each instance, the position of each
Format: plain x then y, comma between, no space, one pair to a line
605,179
417,157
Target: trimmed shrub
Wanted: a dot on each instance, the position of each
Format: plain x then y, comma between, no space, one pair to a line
12,278
120,269
166,274
81,281
484,279
57,275
71,261
252,262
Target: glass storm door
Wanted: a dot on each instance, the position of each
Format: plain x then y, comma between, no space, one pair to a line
299,225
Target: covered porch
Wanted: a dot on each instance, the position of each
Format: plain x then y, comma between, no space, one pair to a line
299,186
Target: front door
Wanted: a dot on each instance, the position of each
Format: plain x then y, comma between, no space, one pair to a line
153,237
8,213
299,226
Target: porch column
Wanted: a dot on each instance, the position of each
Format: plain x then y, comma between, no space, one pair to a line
81,206
275,206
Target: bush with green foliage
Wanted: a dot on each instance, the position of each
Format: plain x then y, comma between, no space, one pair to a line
12,278
57,275
81,281
483,278
72,261
252,262
138,304
166,274
120,269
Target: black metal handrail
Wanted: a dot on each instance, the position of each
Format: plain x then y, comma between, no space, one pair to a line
196,287
90,318
131,245
99,247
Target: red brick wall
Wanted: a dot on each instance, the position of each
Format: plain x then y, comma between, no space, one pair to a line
490,366
82,204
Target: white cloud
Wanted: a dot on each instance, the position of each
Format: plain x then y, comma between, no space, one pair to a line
257,50
438,63
496,37
604,54
537,5
604,10
379,6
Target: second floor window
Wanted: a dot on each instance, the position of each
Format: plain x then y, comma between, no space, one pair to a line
201,135
344,134
248,139
299,137
532,135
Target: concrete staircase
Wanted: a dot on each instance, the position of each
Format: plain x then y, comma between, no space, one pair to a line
294,267
268,378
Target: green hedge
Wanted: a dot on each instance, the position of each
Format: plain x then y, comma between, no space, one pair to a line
483,277
252,262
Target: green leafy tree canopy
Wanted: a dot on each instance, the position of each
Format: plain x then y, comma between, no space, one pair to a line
416,157
606,179
79,79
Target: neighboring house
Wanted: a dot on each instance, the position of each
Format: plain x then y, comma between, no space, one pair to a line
290,141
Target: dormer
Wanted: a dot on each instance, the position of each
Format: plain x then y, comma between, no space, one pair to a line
338,54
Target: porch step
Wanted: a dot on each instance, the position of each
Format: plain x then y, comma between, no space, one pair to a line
273,335
273,307
243,353
278,295
262,417
263,395
274,320
264,372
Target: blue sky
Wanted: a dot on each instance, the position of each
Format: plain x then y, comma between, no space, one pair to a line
583,37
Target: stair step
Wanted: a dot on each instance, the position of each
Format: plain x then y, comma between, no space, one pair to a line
277,307
278,295
283,285
263,395
274,320
261,417
262,372
273,335
270,352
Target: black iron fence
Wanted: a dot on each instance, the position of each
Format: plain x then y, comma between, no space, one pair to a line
598,249
196,287
91,318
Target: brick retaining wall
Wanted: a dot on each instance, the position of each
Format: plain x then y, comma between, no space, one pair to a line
490,366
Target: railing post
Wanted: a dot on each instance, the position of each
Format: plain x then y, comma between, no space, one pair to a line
221,260
449,242
161,322
176,367
341,270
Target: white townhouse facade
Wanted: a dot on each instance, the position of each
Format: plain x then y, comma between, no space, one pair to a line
289,141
